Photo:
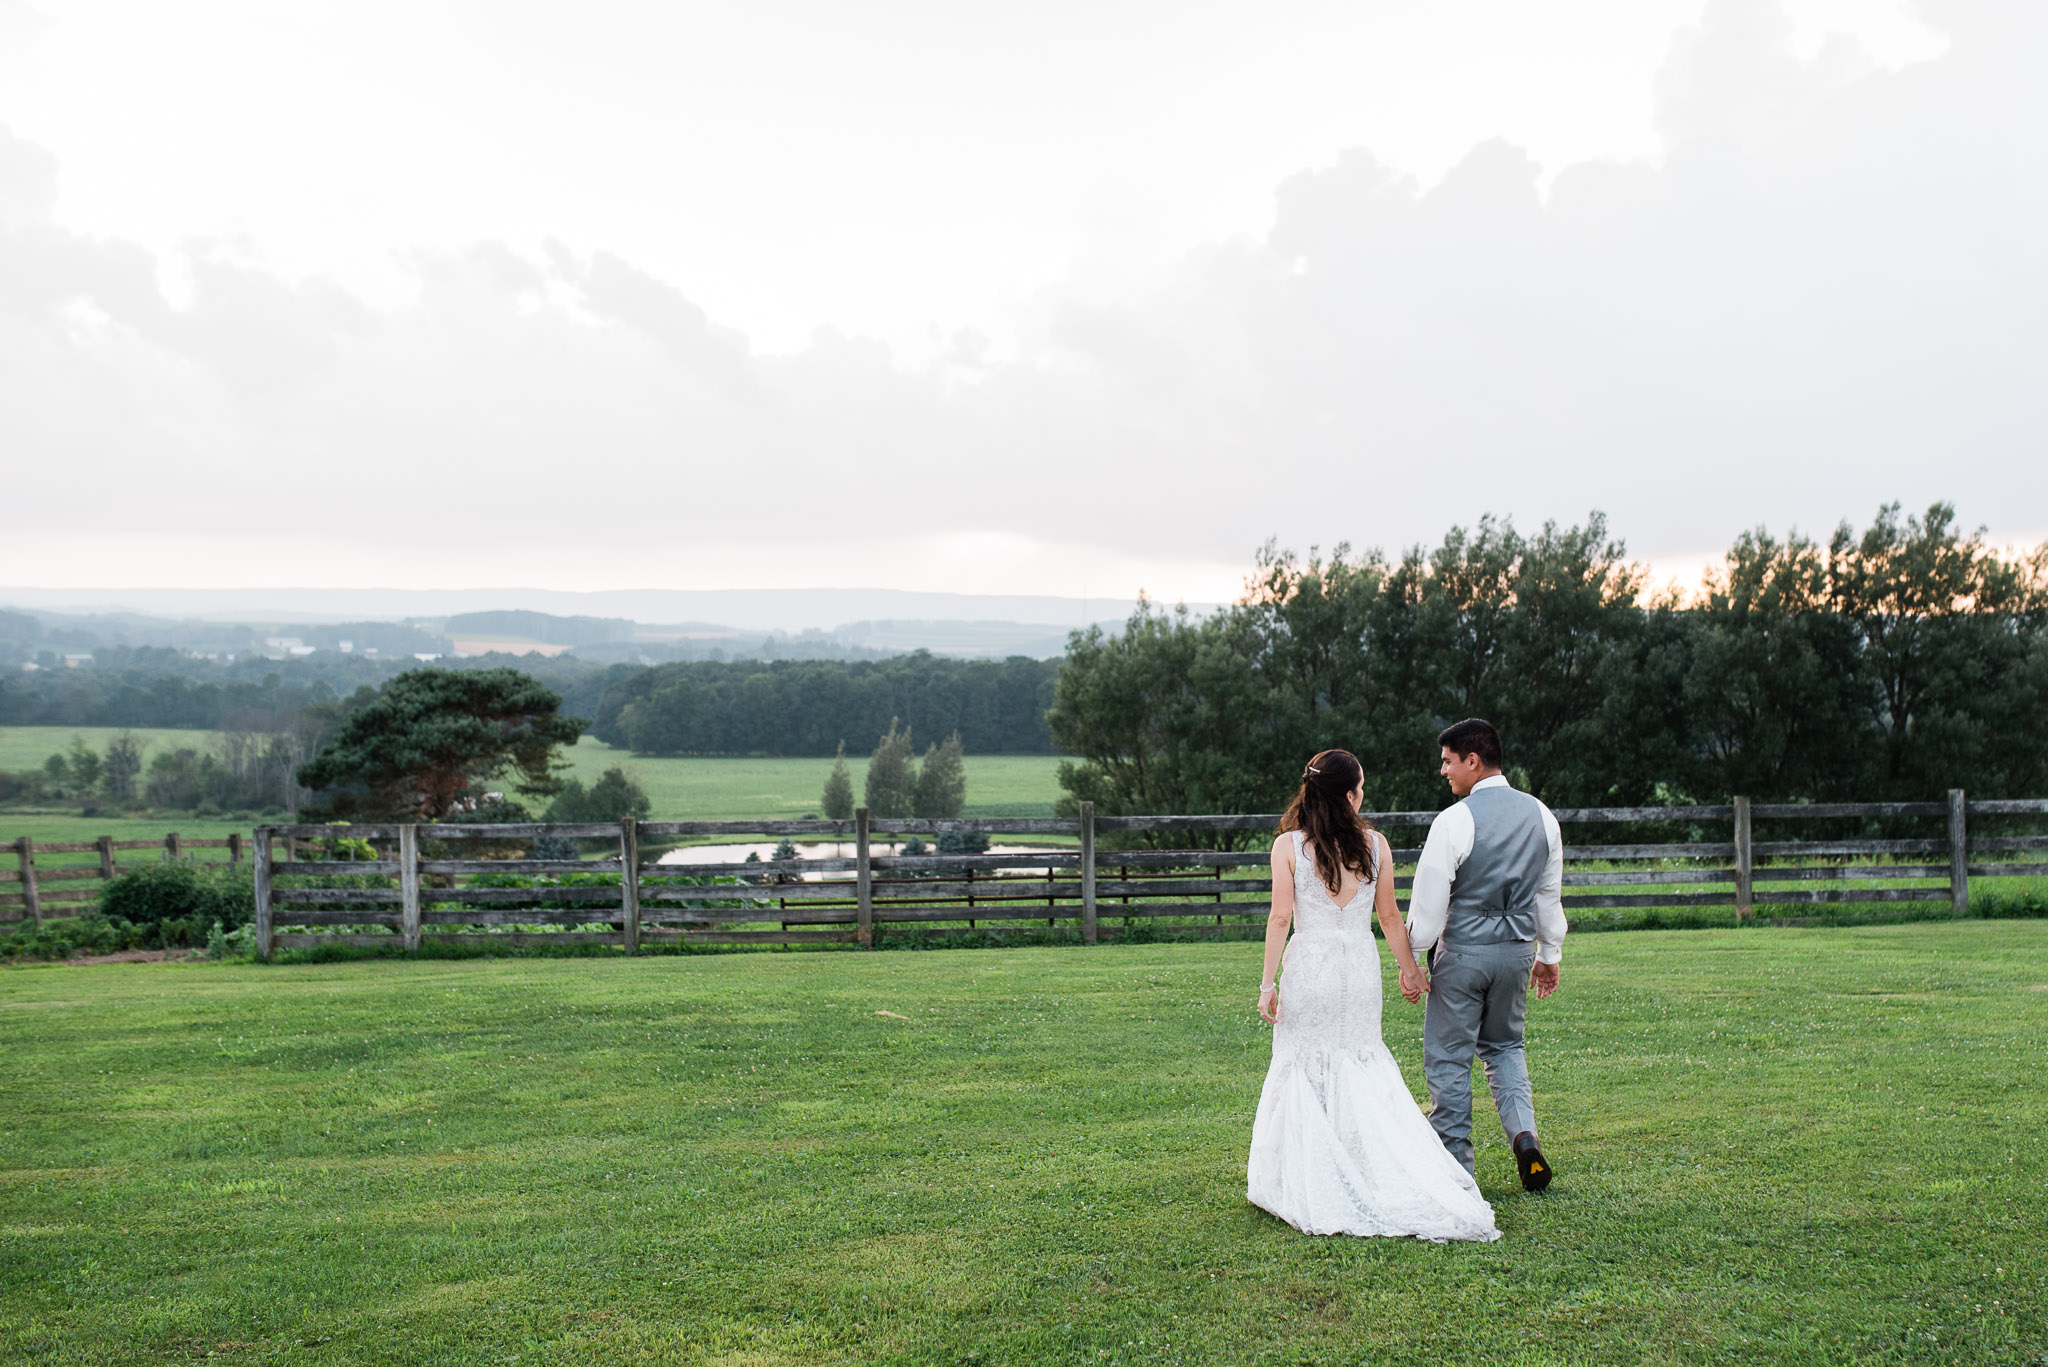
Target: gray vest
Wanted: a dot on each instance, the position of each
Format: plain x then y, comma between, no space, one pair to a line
1493,897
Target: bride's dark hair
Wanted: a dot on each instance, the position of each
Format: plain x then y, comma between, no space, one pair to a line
1321,811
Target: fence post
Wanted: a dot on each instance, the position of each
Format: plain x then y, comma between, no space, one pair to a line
409,885
105,845
1745,864
171,848
260,858
234,848
863,882
1958,853
629,881
31,905
1088,931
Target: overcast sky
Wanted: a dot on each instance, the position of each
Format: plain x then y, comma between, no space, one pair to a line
1056,297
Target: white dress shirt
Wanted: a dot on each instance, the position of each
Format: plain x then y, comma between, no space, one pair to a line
1448,846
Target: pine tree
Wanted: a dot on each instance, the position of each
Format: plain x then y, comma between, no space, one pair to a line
837,803
942,780
892,776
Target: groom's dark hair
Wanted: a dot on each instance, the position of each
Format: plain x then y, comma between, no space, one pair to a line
1472,737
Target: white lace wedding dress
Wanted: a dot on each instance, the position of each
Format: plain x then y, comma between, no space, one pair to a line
1339,1145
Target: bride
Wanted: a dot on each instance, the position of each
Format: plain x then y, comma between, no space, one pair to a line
1339,1145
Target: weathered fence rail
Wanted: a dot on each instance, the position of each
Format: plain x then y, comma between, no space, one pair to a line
31,894
423,887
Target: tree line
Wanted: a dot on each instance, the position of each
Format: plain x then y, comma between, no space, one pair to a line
165,687
808,707
1893,663
248,768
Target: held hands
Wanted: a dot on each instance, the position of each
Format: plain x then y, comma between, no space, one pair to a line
1414,982
1543,977
1269,1005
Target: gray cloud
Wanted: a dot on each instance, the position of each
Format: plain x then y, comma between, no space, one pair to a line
1827,293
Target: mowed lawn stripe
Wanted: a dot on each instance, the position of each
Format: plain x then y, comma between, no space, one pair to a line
1775,1146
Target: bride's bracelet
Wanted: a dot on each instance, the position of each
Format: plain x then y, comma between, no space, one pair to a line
1269,987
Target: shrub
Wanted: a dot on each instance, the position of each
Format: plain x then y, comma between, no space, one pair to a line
239,943
2019,899
615,796
179,902
26,786
558,847
91,933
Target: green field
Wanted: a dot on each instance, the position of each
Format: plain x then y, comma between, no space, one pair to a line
681,789
1775,1147
26,747
710,789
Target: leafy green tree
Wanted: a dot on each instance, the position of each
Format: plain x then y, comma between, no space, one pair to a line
941,780
84,766
804,707
1544,635
837,801
892,777
432,737
1572,641
1775,688
1339,651
56,774
180,777
615,796
1172,715
1943,622
123,767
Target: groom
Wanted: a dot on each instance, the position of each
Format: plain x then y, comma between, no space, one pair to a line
1485,909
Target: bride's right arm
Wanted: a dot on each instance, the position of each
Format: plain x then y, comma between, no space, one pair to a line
1278,920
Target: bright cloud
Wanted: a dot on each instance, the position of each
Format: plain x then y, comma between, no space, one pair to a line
1816,288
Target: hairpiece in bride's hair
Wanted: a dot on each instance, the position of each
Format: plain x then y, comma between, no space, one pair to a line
1311,770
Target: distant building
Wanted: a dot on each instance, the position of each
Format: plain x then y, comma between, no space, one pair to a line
74,661
419,655
348,647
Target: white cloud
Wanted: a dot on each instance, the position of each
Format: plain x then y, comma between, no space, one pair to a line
1822,294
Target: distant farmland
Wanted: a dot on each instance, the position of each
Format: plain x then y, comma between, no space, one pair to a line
685,789
689,789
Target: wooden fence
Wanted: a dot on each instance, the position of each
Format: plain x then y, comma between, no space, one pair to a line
419,890
31,897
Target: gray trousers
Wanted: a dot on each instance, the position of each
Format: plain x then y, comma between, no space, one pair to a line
1477,994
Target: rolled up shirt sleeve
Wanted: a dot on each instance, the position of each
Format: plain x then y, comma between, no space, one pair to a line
1429,898
1550,922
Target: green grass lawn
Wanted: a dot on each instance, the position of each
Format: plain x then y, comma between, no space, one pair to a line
1776,1146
